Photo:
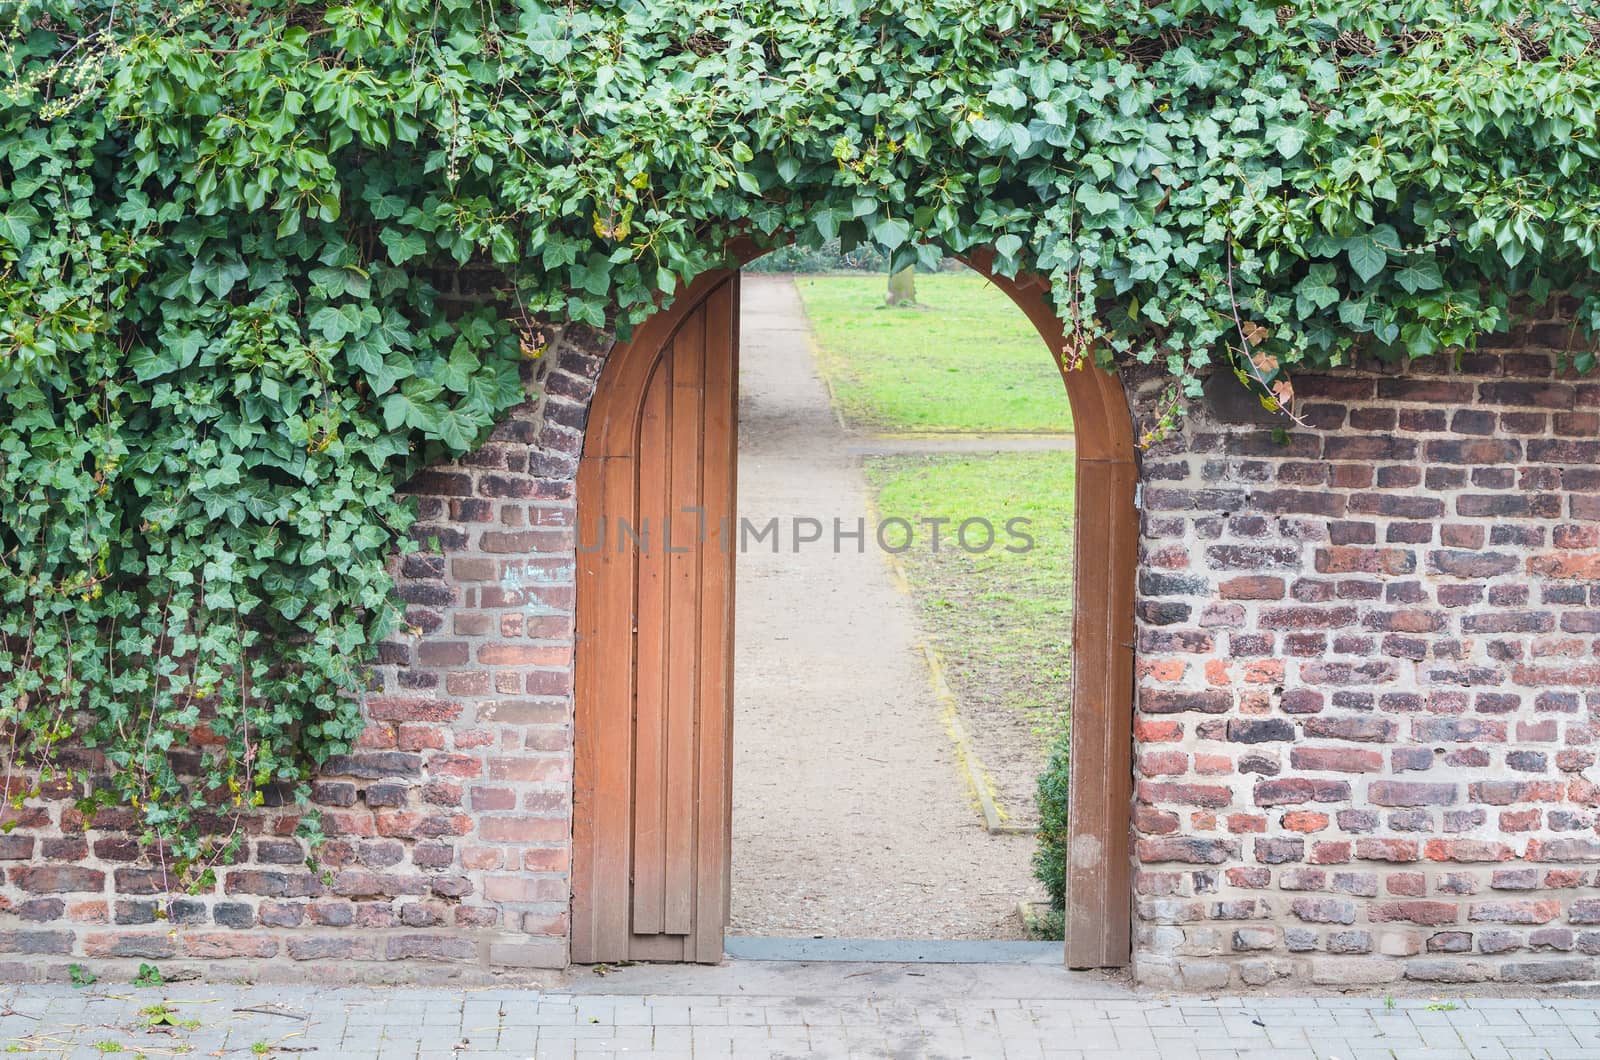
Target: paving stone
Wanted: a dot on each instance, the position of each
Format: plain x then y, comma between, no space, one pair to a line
415,1024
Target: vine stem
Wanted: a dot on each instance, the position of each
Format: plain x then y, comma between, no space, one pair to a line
1250,366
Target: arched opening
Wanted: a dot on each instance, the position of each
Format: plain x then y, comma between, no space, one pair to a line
651,842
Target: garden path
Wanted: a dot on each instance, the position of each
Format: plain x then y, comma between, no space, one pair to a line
851,816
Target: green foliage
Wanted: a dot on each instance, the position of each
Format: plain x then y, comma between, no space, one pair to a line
213,376
148,975
220,349
160,1015
1050,856
80,976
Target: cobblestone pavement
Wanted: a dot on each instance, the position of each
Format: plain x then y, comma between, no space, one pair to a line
575,1021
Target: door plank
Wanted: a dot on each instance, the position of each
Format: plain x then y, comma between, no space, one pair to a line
715,746
683,610
603,785
650,708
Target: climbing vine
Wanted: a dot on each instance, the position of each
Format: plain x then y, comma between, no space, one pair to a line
223,346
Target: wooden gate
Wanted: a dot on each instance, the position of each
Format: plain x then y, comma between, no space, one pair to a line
653,773
654,753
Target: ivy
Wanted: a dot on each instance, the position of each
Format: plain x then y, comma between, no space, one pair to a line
222,349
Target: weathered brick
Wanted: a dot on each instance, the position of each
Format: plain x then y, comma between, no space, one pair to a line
1260,730
1336,759
1295,790
1324,910
1412,793
56,879
1431,914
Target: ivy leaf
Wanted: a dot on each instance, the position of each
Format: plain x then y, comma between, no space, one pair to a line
220,276
1367,251
148,363
1188,67
891,232
15,225
402,244
1419,276
1316,291
1288,139
333,323
546,37
1098,202
1261,21
413,406
455,374
457,430
368,355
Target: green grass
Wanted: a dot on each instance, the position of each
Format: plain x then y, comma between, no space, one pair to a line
964,359
1001,620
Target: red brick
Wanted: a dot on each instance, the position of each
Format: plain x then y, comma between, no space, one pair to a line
230,944
1412,793
1431,914
1336,759
499,829
528,768
1465,850
1163,763
1146,731
1406,884
1374,849
56,879
1252,587
1168,794
1293,790
525,889
1515,911
524,655
1330,852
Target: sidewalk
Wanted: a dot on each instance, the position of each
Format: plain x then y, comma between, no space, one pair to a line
890,1011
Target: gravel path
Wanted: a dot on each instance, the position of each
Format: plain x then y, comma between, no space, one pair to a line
851,818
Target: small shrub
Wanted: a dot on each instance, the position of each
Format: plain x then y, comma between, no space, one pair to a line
1050,858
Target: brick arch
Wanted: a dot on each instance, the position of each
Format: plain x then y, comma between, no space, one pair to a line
1099,905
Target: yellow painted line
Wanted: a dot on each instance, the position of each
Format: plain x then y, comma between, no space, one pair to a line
994,818
979,784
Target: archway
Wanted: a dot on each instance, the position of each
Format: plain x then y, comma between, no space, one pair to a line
650,842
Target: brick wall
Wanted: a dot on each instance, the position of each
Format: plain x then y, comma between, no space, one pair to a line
1368,707
1369,684
449,823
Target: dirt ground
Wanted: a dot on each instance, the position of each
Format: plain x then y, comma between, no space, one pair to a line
851,818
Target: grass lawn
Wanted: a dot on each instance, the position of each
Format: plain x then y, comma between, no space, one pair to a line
964,360
1001,620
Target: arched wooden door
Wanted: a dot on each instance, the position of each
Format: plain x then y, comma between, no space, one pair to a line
652,782
653,773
